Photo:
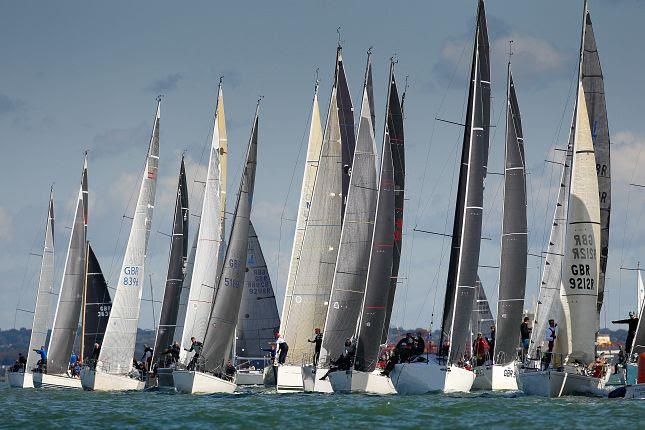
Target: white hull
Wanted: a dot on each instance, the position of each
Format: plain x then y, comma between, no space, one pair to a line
165,380
354,381
496,377
553,383
268,376
92,380
191,382
43,380
290,379
20,379
312,374
420,378
250,377
636,391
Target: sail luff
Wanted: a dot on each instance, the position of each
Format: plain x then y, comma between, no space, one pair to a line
121,332
514,244
176,267
44,292
70,296
224,314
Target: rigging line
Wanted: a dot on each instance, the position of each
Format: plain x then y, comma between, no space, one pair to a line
293,175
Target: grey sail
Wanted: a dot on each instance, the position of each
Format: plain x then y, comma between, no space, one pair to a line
374,309
350,275
185,288
395,133
70,297
345,122
594,89
40,324
512,272
466,236
97,305
176,268
258,318
481,317
226,305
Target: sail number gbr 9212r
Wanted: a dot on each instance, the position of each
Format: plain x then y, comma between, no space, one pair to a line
583,275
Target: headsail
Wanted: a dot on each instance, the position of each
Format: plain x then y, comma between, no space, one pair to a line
120,334
176,268
210,236
70,296
97,305
226,306
40,324
350,275
639,338
512,272
258,318
466,236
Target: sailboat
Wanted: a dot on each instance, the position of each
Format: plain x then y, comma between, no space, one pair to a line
23,377
364,377
258,319
113,369
446,372
209,375
317,235
202,273
572,369
501,374
166,329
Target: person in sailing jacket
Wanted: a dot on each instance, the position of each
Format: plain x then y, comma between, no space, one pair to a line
525,335
195,346
318,338
281,348
42,363
550,335
481,349
631,330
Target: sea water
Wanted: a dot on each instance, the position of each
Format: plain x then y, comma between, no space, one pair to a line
264,409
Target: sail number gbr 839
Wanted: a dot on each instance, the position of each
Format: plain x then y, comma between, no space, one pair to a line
583,275
131,276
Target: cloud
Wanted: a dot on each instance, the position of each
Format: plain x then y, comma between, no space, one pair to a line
9,105
164,85
6,223
116,140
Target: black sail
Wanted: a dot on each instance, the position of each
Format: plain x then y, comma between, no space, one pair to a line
97,305
176,268
374,309
512,273
481,317
466,236
346,122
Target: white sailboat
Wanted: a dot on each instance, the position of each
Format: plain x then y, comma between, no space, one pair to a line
113,370
22,378
447,372
209,375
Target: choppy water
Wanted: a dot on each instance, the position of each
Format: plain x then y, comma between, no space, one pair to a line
33,408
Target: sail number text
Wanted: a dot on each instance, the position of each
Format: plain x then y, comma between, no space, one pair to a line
131,276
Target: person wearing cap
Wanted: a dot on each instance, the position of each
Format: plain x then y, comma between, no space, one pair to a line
281,348
631,330
318,337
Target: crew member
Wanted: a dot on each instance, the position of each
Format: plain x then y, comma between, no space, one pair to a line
550,336
42,363
195,346
281,348
525,335
318,337
631,330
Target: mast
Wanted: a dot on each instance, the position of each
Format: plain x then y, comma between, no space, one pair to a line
464,257
121,332
226,305
514,243
350,274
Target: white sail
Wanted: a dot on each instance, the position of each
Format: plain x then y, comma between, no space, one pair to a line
640,296
121,332
209,237
581,266
45,289
70,296
288,324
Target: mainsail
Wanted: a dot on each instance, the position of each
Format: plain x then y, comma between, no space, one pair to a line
120,334
594,91
345,122
295,323
258,318
639,338
45,290
70,297
512,272
350,275
97,305
176,268
375,299
640,288
306,307
226,306
466,235
210,236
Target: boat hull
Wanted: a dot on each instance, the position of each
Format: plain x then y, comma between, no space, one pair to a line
20,379
290,379
497,377
354,381
636,391
312,375
91,380
192,382
554,383
44,380
165,380
251,377
420,378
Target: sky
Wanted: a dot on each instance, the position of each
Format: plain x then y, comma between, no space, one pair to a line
81,76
